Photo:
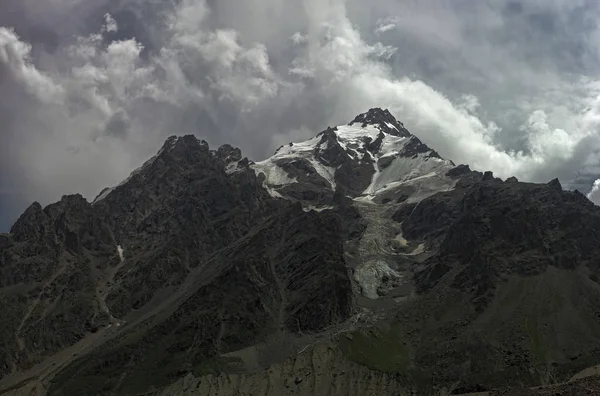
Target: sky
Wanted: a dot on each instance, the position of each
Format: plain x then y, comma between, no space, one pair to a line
89,89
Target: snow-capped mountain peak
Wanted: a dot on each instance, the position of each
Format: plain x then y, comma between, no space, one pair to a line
382,120
364,159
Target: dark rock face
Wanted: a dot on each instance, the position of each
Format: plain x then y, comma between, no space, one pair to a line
183,202
268,264
460,170
288,274
517,228
354,178
416,147
352,224
510,265
47,288
555,184
31,224
228,153
384,120
333,154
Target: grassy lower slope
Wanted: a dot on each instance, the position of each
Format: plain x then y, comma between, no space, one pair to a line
534,331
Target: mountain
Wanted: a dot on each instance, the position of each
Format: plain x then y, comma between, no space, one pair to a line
356,262
372,158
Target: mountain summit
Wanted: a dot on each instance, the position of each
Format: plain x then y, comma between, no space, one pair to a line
356,262
383,120
373,157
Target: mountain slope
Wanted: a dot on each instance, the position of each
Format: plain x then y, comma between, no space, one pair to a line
356,261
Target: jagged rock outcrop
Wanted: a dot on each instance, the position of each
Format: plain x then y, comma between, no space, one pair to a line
173,214
47,278
185,238
287,275
510,267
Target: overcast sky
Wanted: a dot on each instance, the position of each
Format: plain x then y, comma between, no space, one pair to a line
89,89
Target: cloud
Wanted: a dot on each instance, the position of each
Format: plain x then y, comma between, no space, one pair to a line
298,38
594,194
15,58
386,24
483,85
110,25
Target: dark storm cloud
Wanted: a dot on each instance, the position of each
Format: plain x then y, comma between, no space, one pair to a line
90,89
117,126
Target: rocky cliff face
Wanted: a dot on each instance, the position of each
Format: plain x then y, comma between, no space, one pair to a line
181,234
359,255
47,269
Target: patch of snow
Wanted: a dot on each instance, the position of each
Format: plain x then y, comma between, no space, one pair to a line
392,145
294,150
273,193
428,187
418,250
390,125
120,252
326,172
364,199
316,208
356,134
232,167
352,138
380,185
173,142
402,169
370,277
401,241
275,177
